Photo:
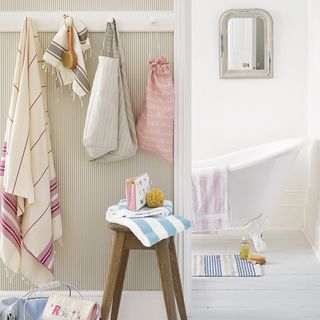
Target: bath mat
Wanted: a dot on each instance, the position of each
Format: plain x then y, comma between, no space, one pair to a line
224,266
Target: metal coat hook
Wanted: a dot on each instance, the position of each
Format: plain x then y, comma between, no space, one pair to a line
152,20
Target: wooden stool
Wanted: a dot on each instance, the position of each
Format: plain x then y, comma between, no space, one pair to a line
125,241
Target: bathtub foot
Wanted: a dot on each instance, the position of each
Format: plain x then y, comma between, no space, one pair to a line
258,243
255,228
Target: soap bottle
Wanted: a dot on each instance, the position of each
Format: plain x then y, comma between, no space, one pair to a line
244,249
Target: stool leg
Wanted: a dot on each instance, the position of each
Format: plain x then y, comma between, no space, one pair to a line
119,285
177,280
112,274
163,258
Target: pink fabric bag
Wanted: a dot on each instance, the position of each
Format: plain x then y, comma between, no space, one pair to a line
155,123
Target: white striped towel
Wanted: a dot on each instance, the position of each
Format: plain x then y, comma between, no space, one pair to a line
30,210
150,230
123,211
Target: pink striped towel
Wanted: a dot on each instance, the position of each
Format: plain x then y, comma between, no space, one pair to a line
210,197
30,218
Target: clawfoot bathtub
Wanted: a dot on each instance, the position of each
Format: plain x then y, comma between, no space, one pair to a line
256,178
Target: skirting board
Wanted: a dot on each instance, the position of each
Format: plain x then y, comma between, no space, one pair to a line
237,233
135,305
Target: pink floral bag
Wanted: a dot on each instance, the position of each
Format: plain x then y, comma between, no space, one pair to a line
155,123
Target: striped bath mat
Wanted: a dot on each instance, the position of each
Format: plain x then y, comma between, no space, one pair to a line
224,266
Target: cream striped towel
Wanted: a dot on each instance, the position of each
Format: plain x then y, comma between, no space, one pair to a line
30,211
53,56
150,230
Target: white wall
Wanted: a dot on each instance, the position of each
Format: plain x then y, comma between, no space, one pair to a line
231,114
312,223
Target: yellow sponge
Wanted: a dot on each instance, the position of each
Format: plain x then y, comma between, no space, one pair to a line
155,198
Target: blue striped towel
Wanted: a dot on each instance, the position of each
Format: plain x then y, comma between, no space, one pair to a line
149,230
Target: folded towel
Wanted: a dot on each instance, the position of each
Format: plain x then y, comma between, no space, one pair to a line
150,230
210,197
68,308
123,211
59,44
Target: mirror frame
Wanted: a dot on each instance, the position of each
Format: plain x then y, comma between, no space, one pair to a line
267,72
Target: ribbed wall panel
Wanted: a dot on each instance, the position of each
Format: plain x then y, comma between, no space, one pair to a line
83,5
88,188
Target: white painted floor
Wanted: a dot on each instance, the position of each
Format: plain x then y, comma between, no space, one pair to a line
289,289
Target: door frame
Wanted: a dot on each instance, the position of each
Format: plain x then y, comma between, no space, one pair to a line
182,137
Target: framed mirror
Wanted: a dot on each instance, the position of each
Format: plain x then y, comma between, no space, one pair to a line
246,44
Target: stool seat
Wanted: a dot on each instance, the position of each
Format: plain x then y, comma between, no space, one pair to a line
124,241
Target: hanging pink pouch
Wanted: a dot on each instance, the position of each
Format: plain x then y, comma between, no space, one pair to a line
155,123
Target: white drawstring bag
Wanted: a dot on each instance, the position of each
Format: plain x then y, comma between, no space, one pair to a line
110,133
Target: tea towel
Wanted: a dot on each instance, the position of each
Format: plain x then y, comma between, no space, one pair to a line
78,76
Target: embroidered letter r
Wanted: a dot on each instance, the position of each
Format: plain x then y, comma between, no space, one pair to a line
56,310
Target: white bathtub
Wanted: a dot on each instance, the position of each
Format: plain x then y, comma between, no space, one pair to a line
257,177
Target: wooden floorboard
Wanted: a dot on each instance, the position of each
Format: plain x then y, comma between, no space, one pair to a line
289,289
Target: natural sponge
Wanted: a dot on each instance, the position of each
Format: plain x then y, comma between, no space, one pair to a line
155,198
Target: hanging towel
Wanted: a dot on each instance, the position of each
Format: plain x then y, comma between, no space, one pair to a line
155,123
109,132
210,197
152,229
30,211
53,56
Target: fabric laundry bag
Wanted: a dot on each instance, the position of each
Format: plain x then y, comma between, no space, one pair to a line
155,123
109,132
22,309
31,307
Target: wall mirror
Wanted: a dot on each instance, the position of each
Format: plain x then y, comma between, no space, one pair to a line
246,44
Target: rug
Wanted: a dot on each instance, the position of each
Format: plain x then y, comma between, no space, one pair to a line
223,266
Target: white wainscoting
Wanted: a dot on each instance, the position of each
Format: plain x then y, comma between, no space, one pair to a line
290,213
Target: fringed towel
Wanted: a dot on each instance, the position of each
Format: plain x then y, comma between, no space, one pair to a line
150,230
30,211
78,76
210,198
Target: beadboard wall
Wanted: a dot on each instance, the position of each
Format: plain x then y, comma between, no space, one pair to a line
88,188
